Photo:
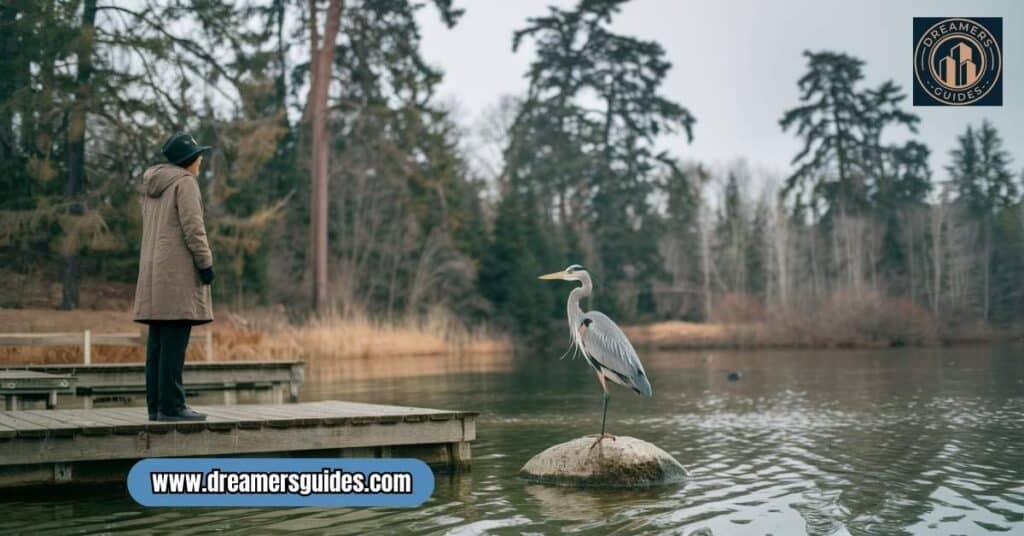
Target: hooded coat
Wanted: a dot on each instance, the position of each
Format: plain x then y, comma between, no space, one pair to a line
174,249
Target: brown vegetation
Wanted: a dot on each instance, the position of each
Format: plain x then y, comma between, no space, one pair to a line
844,320
356,335
259,335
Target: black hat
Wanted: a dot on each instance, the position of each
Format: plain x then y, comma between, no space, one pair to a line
182,148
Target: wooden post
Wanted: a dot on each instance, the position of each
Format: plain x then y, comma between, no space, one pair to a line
209,345
297,374
87,347
459,455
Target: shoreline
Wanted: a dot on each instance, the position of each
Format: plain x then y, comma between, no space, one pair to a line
263,335
680,335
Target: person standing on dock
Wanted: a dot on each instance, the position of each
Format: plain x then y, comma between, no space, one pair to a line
175,273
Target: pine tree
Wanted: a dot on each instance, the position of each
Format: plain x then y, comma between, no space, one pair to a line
980,175
104,76
731,240
681,187
520,250
841,124
829,121
594,169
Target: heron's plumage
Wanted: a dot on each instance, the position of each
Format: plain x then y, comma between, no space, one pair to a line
602,343
605,344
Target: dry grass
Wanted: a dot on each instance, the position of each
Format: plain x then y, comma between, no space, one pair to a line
675,334
849,319
843,320
256,335
360,336
51,321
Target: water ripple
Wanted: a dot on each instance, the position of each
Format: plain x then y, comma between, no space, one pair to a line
854,443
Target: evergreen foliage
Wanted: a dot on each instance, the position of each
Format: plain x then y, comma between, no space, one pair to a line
90,88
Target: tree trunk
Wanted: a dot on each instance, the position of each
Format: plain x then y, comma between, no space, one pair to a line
938,215
321,63
705,258
987,276
281,83
75,187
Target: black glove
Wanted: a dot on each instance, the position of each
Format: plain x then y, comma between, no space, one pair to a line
206,275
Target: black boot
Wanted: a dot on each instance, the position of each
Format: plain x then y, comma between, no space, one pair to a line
186,414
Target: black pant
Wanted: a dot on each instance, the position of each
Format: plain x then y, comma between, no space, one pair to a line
165,359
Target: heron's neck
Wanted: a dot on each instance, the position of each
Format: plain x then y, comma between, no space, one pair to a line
575,312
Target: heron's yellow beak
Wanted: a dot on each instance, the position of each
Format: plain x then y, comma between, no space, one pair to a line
553,275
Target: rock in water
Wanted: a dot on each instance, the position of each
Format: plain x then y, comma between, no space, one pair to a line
625,462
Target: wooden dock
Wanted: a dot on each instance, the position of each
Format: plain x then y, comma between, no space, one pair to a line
16,385
284,377
81,446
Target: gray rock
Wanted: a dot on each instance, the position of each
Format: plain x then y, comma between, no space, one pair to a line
624,462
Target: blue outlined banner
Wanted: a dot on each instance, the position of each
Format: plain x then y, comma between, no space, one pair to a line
260,482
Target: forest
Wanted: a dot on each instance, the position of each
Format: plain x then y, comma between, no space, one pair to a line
342,184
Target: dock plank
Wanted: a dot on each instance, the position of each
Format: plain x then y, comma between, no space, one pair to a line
90,422
120,378
241,419
54,425
22,427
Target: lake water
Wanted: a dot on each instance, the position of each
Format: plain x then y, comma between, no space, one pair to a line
921,441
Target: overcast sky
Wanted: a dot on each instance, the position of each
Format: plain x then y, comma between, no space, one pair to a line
736,63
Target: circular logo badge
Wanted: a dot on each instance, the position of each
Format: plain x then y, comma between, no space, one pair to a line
957,61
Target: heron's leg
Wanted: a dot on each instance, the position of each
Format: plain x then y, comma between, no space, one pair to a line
604,412
604,409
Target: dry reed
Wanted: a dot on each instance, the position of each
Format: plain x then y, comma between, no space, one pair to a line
265,334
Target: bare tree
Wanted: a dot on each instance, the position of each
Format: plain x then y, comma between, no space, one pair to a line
780,246
706,260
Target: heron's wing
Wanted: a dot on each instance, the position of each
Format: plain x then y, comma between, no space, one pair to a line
608,346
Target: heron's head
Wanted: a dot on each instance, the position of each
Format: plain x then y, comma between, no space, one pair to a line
574,272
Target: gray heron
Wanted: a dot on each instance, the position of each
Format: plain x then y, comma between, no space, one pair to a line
602,343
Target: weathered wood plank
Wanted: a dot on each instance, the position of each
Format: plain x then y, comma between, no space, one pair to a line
69,368
89,422
237,441
22,428
241,419
23,374
118,339
76,338
6,431
22,381
95,435
53,426
130,377
72,338
61,420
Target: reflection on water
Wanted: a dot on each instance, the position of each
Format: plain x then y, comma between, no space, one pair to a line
327,372
819,442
